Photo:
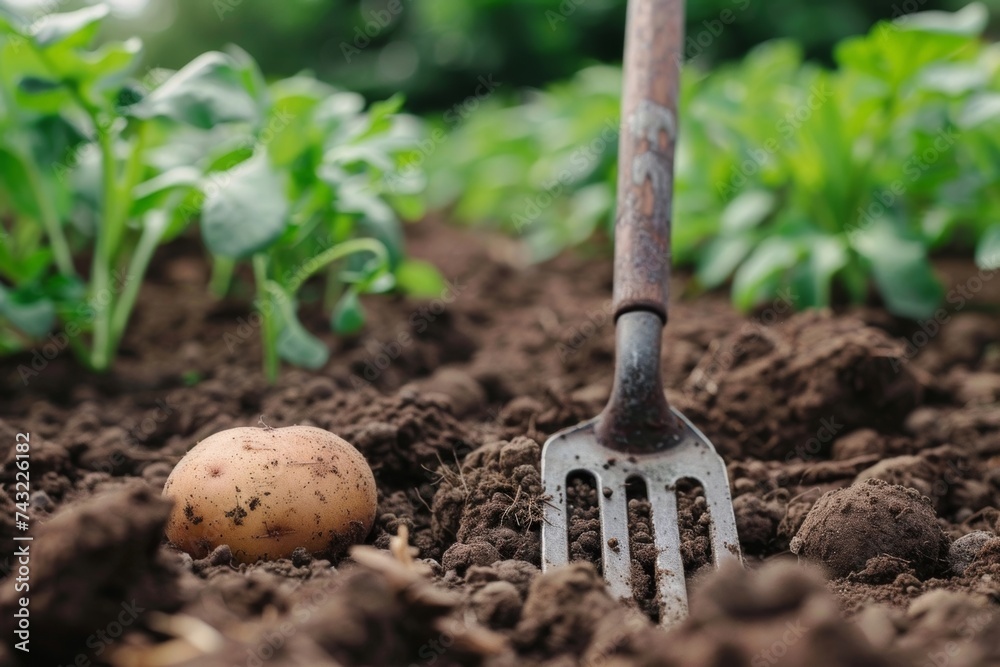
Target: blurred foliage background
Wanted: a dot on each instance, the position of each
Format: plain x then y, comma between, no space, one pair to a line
829,146
434,51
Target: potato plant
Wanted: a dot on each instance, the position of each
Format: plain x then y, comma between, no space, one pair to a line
788,174
99,167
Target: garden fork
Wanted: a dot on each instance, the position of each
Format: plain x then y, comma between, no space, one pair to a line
638,435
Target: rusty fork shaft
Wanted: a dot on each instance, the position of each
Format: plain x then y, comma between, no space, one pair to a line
646,156
638,437
638,416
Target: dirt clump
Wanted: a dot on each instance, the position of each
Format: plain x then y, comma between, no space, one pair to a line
497,604
789,390
491,507
389,613
846,528
986,565
463,393
951,628
780,614
757,521
913,472
91,566
965,550
569,613
402,435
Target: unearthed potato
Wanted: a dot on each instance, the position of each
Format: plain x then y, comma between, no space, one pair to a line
266,491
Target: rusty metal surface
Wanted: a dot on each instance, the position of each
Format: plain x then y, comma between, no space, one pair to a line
637,417
693,457
638,435
646,155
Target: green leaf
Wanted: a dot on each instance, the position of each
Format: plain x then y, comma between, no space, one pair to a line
954,78
14,182
253,78
988,249
181,205
25,267
34,85
25,310
827,256
73,29
902,272
245,209
292,129
348,315
409,207
720,258
152,193
55,139
908,285
335,109
747,210
102,72
356,195
981,108
378,281
11,22
385,108
208,91
296,345
970,21
418,278
42,95
758,276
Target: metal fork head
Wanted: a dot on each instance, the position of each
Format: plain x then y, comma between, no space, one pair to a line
577,450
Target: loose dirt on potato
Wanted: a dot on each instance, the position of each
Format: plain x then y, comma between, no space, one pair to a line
863,443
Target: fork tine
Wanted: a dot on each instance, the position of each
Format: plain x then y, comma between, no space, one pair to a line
617,560
578,450
710,470
555,524
722,530
669,564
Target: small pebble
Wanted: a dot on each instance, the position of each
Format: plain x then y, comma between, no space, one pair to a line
222,555
40,500
301,557
964,550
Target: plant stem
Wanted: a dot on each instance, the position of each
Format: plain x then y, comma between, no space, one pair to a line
329,255
100,273
333,290
269,333
222,275
130,176
50,219
148,241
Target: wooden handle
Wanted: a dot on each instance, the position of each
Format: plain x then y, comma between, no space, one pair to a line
653,42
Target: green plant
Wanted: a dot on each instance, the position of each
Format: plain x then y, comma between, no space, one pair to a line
787,174
97,165
543,169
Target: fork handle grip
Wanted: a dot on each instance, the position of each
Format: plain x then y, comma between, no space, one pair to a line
653,55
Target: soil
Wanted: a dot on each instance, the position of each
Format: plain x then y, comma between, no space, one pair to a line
870,444
873,520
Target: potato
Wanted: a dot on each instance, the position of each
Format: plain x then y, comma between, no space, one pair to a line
267,491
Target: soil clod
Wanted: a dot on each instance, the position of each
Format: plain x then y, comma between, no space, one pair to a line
872,519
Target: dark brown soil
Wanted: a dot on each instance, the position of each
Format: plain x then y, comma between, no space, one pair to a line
452,419
872,520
